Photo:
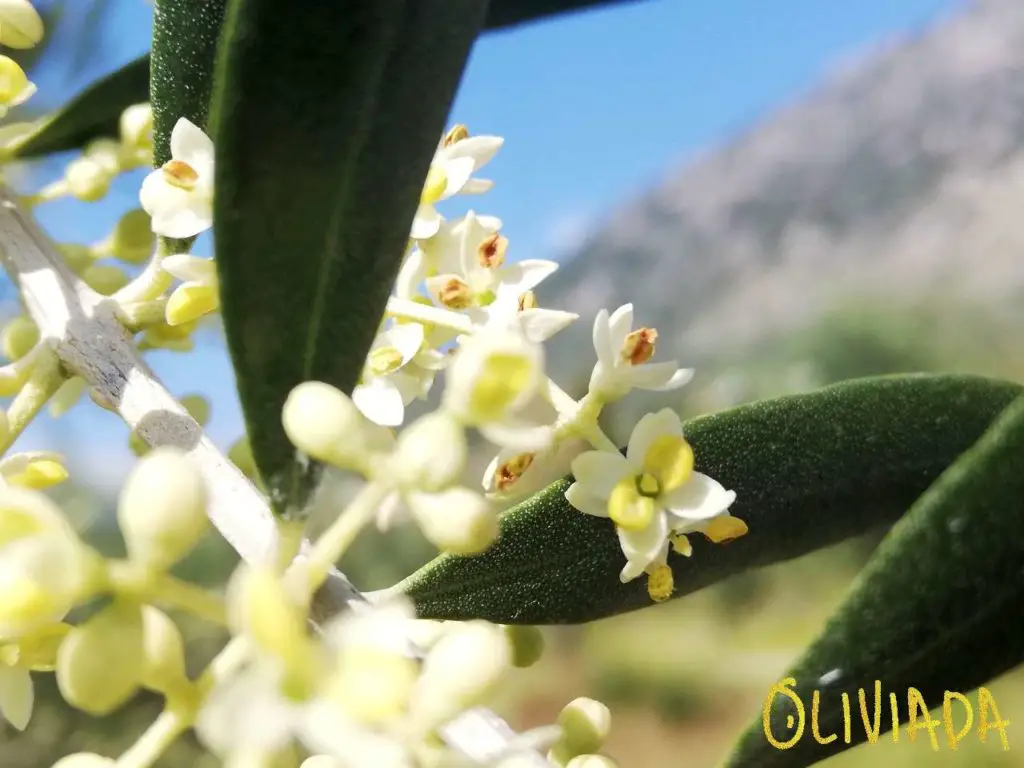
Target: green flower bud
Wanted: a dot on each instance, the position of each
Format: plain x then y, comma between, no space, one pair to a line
132,240
19,336
527,645
77,257
163,652
100,663
105,279
162,508
136,127
21,26
322,421
585,726
87,179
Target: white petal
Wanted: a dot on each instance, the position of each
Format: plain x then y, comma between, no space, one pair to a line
408,386
539,325
407,338
191,268
680,378
380,401
481,149
175,212
476,187
604,378
411,275
425,223
458,171
642,548
526,438
16,695
650,375
586,502
527,274
599,471
190,145
650,428
619,326
602,338
700,498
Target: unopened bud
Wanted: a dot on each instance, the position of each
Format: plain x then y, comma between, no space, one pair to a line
162,508
15,87
527,644
105,279
456,520
136,127
26,513
37,470
132,240
324,422
163,652
585,726
431,453
85,760
101,662
19,337
21,26
87,179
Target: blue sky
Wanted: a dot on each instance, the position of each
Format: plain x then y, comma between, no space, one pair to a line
594,108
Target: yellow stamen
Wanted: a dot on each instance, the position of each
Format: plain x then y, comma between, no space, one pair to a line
455,135
660,583
724,529
527,300
491,251
627,508
670,459
456,295
384,360
639,346
681,545
508,474
180,174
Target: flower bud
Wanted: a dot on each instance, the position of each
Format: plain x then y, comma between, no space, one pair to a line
132,240
19,336
85,760
77,256
464,668
100,663
105,279
323,422
21,26
259,606
585,725
456,520
15,87
191,301
163,652
87,179
136,127
372,685
527,644
162,508
431,453
26,513
37,470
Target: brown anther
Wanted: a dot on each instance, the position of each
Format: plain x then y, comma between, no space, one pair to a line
180,174
527,300
456,295
456,134
491,251
639,346
509,473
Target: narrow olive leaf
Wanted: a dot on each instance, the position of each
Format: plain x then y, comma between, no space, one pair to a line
808,470
92,114
508,13
326,118
937,609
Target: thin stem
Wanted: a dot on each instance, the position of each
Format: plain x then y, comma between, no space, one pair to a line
140,315
425,313
46,378
150,283
180,594
154,742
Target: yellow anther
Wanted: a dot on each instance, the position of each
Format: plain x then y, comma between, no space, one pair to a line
509,473
724,529
639,346
681,545
456,295
670,460
660,583
627,508
491,251
435,185
455,135
384,360
180,174
502,379
527,300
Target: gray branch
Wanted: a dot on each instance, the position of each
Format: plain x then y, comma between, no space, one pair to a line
83,329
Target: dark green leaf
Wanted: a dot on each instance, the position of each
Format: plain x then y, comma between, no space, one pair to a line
508,13
808,470
326,119
93,113
938,608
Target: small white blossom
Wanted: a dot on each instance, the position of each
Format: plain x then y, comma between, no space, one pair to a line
179,195
622,358
457,158
649,493
386,386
